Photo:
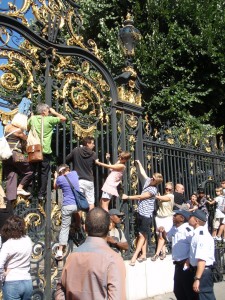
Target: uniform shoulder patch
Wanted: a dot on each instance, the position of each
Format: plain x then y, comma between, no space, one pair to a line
201,232
188,229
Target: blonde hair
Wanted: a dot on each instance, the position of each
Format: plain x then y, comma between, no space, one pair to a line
169,183
158,178
219,189
20,121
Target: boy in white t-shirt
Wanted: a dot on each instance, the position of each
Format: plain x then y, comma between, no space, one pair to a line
219,218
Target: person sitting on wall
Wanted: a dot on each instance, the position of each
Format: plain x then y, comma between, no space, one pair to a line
116,238
43,167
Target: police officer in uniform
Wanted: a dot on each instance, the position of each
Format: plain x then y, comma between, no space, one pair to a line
201,256
180,235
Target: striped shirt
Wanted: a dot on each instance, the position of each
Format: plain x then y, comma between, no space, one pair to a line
146,206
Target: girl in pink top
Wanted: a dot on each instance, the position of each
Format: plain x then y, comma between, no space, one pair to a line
114,178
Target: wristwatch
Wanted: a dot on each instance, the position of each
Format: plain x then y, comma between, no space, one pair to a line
196,278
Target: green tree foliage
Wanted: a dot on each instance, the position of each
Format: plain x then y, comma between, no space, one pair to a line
180,58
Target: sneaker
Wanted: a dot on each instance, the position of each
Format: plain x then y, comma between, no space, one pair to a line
218,238
59,254
22,192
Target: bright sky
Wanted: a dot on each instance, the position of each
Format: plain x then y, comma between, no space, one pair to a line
16,40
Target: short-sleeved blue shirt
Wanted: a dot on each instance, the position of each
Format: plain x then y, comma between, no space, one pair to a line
63,184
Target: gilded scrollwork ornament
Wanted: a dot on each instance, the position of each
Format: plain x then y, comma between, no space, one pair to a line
54,17
19,13
169,138
129,95
83,132
207,145
21,200
132,120
33,219
221,143
133,178
4,36
16,74
6,117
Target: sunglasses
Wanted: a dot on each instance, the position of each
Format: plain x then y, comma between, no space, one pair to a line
167,189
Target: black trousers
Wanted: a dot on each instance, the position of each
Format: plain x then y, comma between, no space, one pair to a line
43,169
183,282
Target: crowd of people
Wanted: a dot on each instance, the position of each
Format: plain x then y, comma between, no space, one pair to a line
101,269
183,222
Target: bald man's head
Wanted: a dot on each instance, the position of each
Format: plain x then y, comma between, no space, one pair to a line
179,188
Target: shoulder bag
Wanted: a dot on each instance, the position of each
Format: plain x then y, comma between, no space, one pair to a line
35,145
5,150
79,197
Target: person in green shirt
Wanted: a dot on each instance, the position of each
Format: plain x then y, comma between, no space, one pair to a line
49,121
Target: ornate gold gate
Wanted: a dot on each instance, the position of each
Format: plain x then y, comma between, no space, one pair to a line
44,58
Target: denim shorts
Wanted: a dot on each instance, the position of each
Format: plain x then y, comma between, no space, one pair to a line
17,290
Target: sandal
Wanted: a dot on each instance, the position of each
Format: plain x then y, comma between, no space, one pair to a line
162,256
155,257
132,263
141,259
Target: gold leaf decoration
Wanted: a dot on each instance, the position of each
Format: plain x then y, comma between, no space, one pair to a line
6,117
82,132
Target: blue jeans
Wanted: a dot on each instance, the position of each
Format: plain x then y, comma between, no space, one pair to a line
17,290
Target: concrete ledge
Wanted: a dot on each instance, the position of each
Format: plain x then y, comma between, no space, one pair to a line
148,279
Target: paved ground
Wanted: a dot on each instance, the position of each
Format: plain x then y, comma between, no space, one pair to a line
219,290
